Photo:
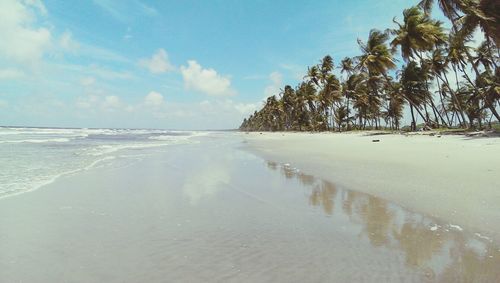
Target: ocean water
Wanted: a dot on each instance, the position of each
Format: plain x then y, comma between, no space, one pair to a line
33,157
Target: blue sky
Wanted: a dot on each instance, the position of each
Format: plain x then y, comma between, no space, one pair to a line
167,64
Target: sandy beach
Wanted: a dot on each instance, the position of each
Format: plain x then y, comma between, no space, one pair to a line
454,178
213,211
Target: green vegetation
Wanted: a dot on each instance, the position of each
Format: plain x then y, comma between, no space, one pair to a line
367,96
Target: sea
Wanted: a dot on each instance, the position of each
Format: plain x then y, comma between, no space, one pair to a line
33,157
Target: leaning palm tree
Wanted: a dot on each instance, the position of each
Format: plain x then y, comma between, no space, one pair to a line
377,58
325,67
413,89
395,106
341,117
450,8
485,15
470,14
350,88
418,33
313,75
485,57
491,10
438,66
347,66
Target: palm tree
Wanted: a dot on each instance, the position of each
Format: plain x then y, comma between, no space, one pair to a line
350,88
341,117
377,58
326,67
438,66
413,88
313,75
450,8
347,66
485,57
491,27
369,89
395,106
482,14
477,13
287,102
418,33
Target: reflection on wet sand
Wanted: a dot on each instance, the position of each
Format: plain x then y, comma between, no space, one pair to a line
441,251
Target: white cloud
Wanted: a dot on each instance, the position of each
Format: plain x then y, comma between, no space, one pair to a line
207,182
67,43
126,13
276,79
37,4
226,106
158,63
10,74
87,81
154,99
111,102
20,40
110,74
205,80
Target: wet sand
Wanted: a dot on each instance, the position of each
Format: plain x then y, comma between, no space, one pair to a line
453,178
211,212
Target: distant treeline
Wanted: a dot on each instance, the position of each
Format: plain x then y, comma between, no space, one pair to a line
444,80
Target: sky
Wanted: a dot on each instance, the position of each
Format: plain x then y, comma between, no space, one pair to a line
167,64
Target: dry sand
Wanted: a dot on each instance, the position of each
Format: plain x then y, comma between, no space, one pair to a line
454,178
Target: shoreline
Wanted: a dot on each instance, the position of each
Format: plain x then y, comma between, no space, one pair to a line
450,177
212,211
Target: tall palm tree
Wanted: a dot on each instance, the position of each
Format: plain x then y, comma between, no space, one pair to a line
491,10
413,88
437,65
450,8
347,66
313,75
395,106
377,58
418,33
470,14
483,14
326,67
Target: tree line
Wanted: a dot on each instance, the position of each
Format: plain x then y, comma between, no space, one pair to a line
443,80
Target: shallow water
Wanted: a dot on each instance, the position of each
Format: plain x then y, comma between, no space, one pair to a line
213,212
33,157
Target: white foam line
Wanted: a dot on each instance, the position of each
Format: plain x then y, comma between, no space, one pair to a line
54,178
38,140
456,227
483,237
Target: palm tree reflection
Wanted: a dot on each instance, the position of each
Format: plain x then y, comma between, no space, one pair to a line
322,195
439,253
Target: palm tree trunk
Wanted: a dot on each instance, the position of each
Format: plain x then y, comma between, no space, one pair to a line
442,103
493,111
413,123
455,100
347,104
404,96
